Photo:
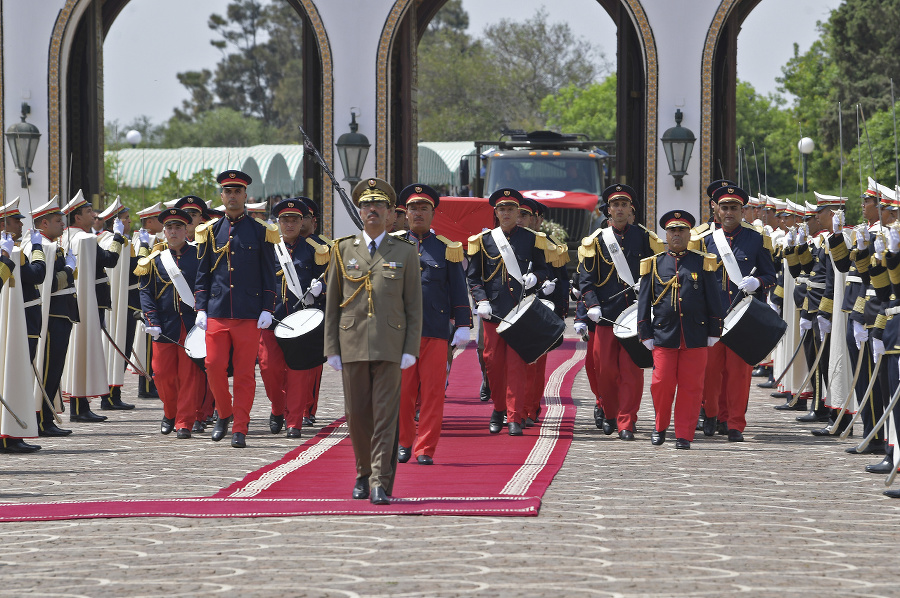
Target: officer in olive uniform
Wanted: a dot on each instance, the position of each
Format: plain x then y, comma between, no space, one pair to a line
373,329
680,288
235,296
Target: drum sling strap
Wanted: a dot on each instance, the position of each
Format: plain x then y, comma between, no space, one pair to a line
728,259
506,252
618,258
287,266
176,276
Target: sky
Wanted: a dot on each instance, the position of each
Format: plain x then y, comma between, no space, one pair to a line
140,65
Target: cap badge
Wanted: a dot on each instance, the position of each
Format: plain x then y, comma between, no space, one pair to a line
172,212
418,189
730,190
678,214
371,182
506,193
618,187
231,175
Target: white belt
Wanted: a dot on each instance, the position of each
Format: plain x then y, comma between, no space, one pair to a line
68,291
892,311
801,280
104,279
816,285
134,287
32,303
870,292
854,279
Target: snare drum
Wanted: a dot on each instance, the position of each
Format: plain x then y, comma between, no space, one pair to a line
626,331
752,329
532,329
303,344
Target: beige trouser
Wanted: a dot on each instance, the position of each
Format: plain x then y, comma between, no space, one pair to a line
372,405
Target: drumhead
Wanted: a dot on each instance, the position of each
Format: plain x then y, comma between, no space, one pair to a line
549,304
195,343
302,322
735,315
626,323
516,313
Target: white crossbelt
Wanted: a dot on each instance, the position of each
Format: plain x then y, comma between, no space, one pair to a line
728,260
134,287
618,258
104,279
32,303
816,285
176,276
854,279
801,280
506,252
68,291
870,292
892,311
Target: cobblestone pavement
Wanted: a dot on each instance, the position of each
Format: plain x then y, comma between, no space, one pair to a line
781,514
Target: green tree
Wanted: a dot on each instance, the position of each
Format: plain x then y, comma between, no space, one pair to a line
591,110
221,127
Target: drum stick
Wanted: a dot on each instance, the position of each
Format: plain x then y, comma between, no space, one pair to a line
300,300
281,323
625,290
738,298
613,322
522,294
140,317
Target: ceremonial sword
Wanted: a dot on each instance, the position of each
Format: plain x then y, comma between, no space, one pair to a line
859,362
864,400
793,357
887,412
139,370
812,370
22,424
46,398
348,205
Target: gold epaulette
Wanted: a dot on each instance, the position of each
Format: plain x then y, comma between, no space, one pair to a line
323,251
647,265
273,235
200,233
540,239
474,244
588,248
454,252
402,237
710,262
145,264
699,230
327,240
746,224
695,244
159,247
562,256
767,243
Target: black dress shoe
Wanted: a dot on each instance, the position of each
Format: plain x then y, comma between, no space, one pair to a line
166,425
293,433
87,417
874,448
609,426
759,372
529,422
308,421
221,428
379,496
199,426
598,417
515,428
626,435
781,395
312,418
403,453
885,467
485,395
276,423
425,460
821,432
496,422
892,493
19,446
709,426
51,429
657,438
814,416
800,405
183,433
770,383
701,419
735,436
361,489
681,443
722,428
238,440
113,401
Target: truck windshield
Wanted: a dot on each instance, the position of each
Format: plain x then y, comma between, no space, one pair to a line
559,174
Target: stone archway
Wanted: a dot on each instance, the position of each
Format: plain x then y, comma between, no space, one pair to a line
76,129
636,137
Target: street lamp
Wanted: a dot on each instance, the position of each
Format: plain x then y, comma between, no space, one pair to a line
23,140
133,137
678,143
806,146
352,149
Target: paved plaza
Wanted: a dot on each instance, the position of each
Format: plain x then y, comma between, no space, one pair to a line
782,514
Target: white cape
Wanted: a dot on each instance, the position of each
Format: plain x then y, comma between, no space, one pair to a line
15,377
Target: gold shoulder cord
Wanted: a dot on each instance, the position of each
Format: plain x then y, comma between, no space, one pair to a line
672,285
365,281
211,239
501,266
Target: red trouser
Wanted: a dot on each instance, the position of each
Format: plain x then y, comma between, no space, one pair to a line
682,369
425,379
179,381
619,381
290,391
537,380
727,387
506,373
221,335
589,367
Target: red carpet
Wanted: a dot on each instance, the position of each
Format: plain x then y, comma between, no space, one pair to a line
475,473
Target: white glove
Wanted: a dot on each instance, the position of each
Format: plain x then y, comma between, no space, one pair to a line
837,221
576,293
860,238
879,247
711,340
6,243
893,240
407,360
264,321
648,343
71,261
594,313
859,333
790,239
581,328
877,348
484,310
530,280
801,235
315,288
335,362
118,227
824,327
548,287
774,307
144,236
36,238
154,331
460,337
749,284
201,320
805,324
